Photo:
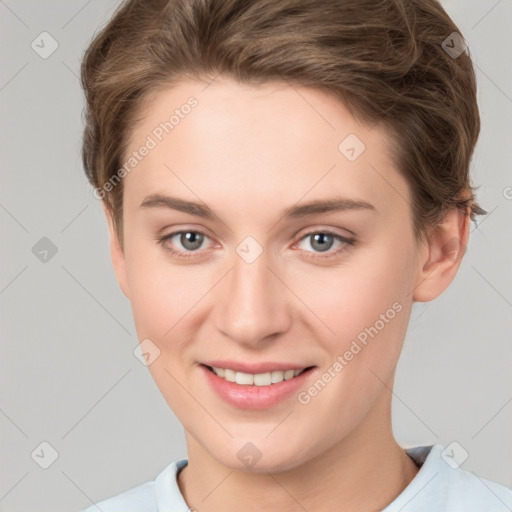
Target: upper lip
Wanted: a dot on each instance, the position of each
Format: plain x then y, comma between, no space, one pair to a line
255,368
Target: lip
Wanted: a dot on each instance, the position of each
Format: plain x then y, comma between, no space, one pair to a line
255,397
255,368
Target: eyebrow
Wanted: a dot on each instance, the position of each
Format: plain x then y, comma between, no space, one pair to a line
334,204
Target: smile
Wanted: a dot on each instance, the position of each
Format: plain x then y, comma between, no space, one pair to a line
259,379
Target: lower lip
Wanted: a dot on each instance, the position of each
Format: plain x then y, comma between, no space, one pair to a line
254,397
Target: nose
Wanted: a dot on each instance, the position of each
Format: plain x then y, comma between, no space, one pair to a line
252,303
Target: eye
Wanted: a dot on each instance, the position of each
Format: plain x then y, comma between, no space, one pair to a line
192,241
189,239
323,241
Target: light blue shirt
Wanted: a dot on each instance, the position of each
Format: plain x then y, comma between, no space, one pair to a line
437,487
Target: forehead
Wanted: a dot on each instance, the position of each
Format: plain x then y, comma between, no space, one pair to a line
271,142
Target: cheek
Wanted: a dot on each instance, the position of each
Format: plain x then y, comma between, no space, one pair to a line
355,294
165,300
163,292
363,308
366,310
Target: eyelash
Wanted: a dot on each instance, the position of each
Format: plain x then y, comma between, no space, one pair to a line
192,254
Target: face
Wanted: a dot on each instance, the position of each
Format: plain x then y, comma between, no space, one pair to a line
255,277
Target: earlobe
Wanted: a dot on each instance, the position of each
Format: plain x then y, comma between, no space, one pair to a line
116,253
442,256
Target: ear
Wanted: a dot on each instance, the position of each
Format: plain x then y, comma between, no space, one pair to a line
442,255
117,254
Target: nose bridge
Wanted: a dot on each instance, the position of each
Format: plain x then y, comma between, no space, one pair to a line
252,305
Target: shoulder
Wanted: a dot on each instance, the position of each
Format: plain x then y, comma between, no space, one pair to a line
147,496
475,493
441,485
141,497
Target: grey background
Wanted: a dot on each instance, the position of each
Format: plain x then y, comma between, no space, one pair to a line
68,373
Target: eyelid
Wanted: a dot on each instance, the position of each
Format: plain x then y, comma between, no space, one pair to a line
331,253
187,229
323,229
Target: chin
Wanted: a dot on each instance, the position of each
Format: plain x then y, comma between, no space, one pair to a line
260,456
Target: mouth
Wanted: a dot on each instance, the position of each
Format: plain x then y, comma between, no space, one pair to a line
257,379
256,391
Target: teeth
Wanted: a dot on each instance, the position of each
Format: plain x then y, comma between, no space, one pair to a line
260,379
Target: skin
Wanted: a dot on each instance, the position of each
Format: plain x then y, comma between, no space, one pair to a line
248,153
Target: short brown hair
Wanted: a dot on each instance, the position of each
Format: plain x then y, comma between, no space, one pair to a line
383,59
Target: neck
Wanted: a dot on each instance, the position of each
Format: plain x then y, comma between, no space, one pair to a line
365,471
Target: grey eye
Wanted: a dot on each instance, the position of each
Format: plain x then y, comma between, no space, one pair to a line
321,241
190,240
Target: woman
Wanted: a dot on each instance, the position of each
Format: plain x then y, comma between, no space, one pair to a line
282,181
